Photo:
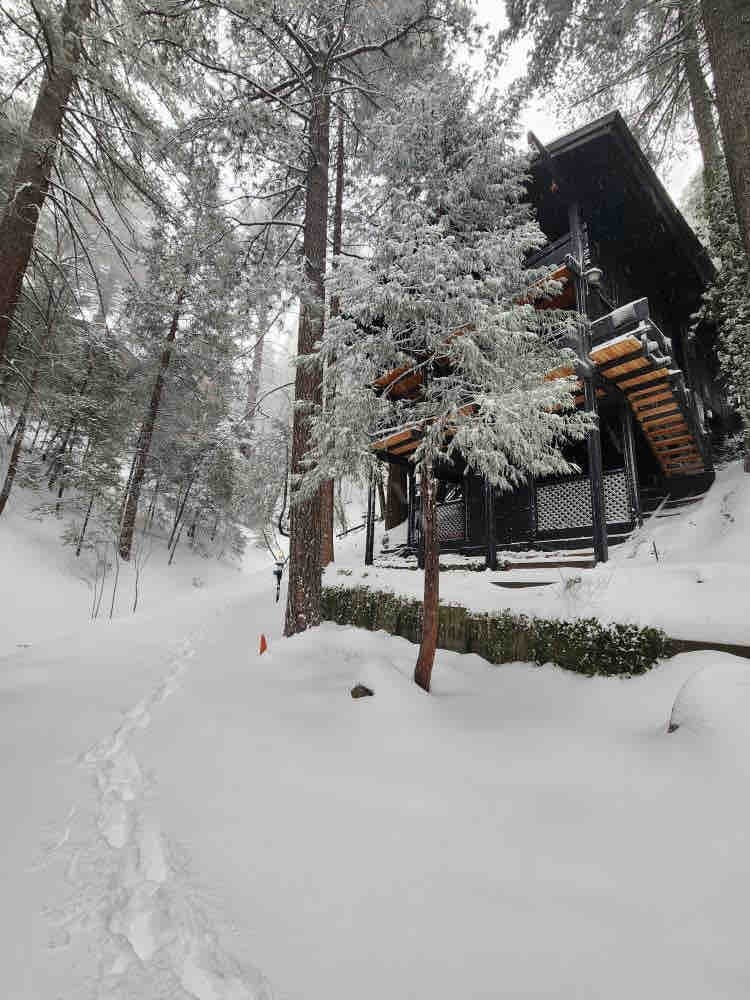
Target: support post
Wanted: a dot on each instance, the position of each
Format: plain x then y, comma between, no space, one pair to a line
594,447
410,506
489,525
631,466
593,438
370,522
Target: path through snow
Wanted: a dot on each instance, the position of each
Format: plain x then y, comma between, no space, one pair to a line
130,884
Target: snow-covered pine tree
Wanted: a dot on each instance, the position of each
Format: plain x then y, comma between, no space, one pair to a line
727,301
649,59
181,315
446,294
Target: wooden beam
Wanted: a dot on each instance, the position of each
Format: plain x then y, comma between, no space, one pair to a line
676,420
405,449
651,390
673,439
670,408
624,367
657,375
644,405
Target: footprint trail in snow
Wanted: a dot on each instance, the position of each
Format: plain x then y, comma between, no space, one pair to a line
131,888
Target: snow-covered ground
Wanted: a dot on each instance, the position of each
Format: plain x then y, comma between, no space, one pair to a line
698,588
180,812
46,591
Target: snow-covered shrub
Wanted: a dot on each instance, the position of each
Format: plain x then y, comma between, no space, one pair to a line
583,645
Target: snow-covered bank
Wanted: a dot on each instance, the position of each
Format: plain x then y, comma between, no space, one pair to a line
45,591
521,832
698,588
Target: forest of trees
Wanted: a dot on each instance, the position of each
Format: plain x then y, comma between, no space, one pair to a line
186,181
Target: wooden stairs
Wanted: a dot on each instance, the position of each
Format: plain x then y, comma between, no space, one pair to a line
639,362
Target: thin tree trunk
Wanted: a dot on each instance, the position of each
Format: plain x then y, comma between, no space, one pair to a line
426,658
126,493
176,543
727,25
303,594
36,433
18,431
180,511
10,475
147,433
193,529
85,525
152,505
326,489
32,176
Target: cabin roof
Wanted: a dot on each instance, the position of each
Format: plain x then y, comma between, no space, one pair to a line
604,152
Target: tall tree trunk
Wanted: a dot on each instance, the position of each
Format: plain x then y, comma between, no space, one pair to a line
396,506
32,176
727,25
144,439
303,597
326,490
701,101
426,658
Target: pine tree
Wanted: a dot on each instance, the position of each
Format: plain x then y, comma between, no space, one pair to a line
650,59
441,295
727,24
183,306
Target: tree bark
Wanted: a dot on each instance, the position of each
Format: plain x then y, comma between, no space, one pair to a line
19,431
180,510
727,26
396,505
303,597
10,475
85,525
31,180
144,440
701,101
326,490
426,658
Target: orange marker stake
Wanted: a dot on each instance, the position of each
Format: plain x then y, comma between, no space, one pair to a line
263,646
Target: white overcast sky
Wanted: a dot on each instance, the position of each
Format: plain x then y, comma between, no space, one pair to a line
542,121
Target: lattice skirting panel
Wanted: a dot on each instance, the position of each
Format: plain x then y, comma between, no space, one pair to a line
451,522
567,503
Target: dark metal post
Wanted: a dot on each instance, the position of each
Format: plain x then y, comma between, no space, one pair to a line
489,524
370,522
410,502
631,465
593,438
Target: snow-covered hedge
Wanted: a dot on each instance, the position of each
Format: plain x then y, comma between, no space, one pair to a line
584,645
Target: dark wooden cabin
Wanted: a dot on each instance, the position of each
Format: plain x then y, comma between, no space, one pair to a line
634,266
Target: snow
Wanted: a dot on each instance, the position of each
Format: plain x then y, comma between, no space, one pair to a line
697,589
187,819
45,591
714,704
